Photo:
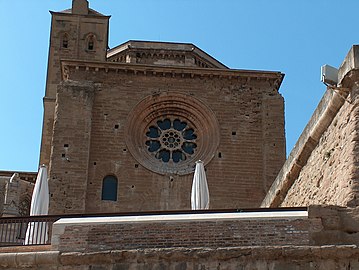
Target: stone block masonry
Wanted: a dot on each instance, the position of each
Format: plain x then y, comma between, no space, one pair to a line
327,177
96,125
323,166
189,231
240,167
244,258
70,133
337,225
74,28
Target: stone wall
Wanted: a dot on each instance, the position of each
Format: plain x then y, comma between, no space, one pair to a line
15,195
323,166
328,176
245,116
321,225
72,130
255,241
76,28
3,181
232,120
338,225
244,258
189,231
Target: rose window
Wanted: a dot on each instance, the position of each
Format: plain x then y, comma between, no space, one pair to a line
168,132
171,140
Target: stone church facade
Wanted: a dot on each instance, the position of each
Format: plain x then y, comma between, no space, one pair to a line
123,127
122,130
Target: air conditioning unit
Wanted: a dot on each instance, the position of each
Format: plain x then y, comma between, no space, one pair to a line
329,75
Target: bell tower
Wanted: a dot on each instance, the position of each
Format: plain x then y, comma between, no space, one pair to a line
78,33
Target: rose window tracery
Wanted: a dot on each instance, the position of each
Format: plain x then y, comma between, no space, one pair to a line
171,140
168,132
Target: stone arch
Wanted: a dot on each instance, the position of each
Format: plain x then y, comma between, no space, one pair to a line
175,107
109,188
90,42
64,40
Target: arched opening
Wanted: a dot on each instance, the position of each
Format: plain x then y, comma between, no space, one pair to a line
109,188
65,41
91,43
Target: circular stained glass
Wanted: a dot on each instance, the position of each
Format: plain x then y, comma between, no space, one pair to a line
171,140
167,132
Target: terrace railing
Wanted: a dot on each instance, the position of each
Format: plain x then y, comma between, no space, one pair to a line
31,230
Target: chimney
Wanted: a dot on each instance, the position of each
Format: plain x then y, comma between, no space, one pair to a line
80,7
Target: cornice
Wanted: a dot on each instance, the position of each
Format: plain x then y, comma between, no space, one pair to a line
154,70
97,16
156,46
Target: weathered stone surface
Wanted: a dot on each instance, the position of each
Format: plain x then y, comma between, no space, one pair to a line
300,155
250,128
252,258
122,234
26,259
70,147
76,30
15,196
46,258
326,178
7,261
334,225
323,168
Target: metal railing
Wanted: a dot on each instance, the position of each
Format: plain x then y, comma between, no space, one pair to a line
33,230
36,230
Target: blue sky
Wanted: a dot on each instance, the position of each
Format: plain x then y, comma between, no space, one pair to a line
294,37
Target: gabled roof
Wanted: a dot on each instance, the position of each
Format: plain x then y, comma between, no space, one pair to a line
165,49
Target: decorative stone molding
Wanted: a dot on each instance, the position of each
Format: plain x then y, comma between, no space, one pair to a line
163,53
198,125
69,66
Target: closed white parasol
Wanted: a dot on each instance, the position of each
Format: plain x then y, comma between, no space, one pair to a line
200,193
36,232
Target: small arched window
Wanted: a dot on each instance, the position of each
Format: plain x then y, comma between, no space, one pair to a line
91,43
65,41
109,188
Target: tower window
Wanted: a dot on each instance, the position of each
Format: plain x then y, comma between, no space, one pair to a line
91,43
109,188
65,41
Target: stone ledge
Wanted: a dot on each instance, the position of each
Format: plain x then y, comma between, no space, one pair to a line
240,253
183,217
248,255
20,249
29,259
